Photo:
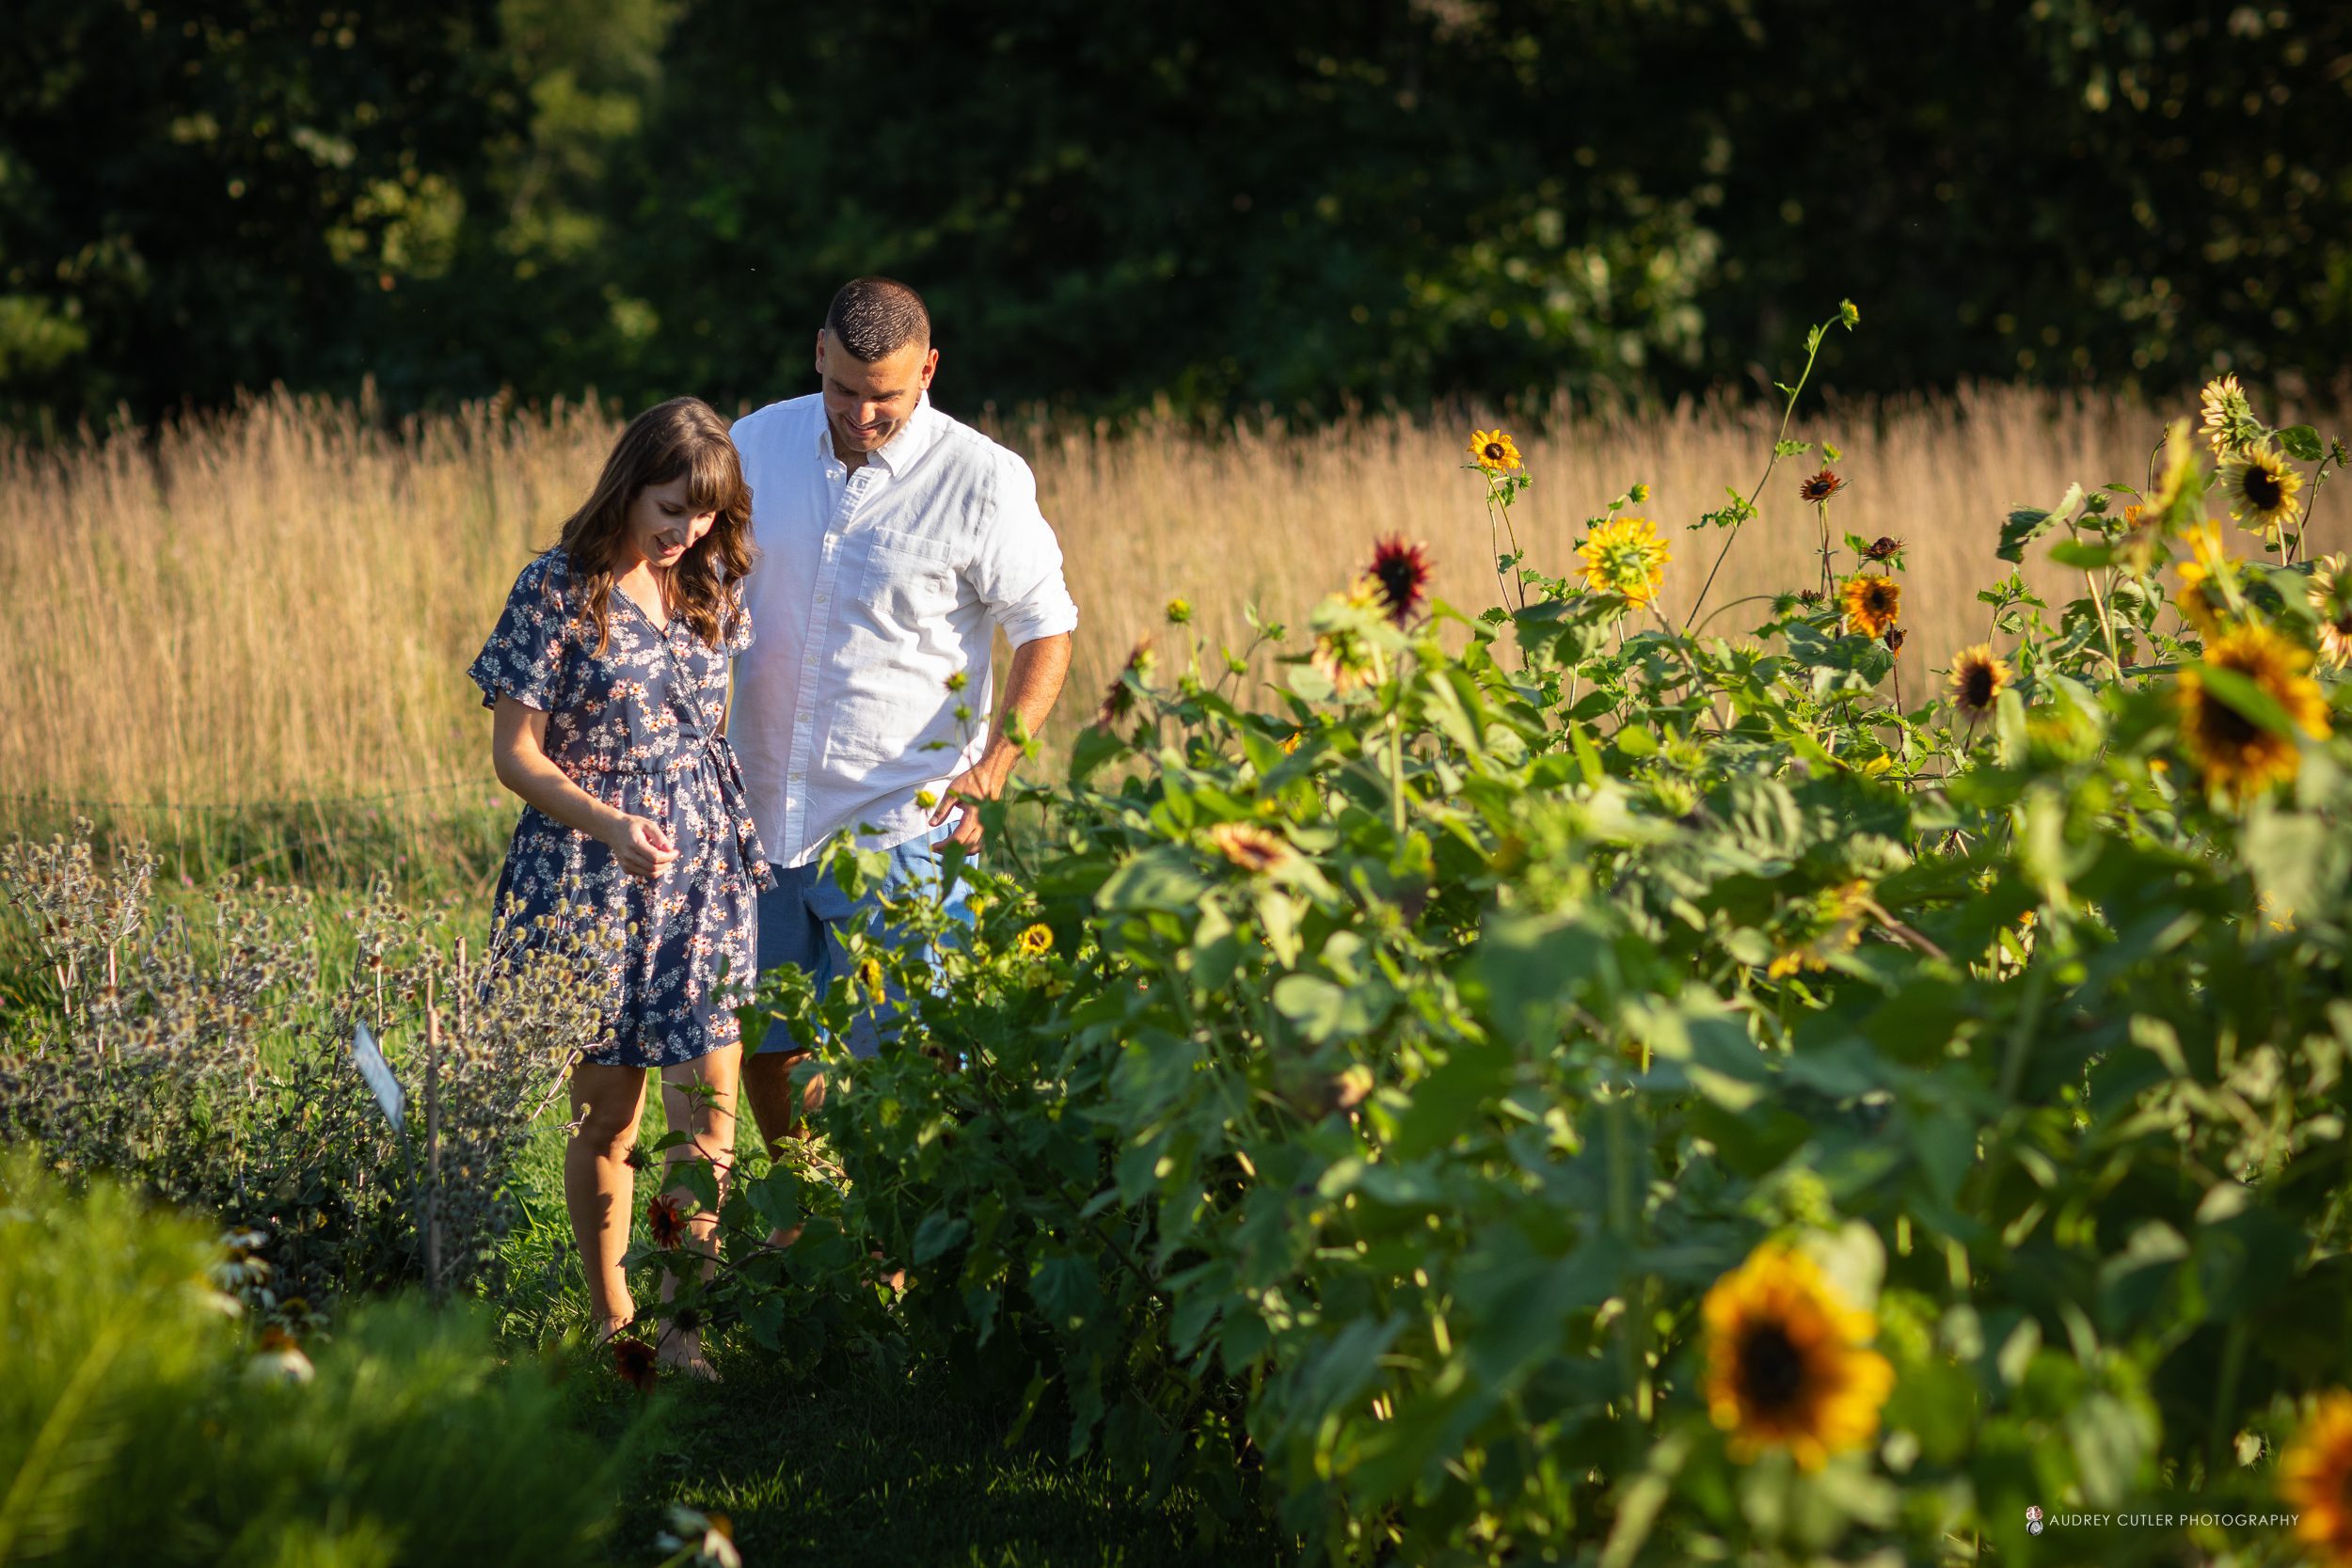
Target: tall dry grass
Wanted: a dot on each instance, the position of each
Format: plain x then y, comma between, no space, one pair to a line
274,609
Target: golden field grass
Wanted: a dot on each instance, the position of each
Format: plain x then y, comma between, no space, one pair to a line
271,611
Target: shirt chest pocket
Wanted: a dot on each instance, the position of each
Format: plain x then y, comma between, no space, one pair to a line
911,581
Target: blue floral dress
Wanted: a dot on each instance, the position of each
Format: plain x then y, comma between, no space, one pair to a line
636,726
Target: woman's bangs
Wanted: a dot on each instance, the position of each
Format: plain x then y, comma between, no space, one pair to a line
714,477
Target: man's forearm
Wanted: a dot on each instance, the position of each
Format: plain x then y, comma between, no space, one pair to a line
1031,689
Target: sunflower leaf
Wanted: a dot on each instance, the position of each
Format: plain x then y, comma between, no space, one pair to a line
2025,524
2301,443
2250,701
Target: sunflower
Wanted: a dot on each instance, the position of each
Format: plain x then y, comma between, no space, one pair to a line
633,1360
2316,1475
665,1222
1342,653
1788,1365
1403,572
1820,487
1120,701
1249,847
2237,755
1494,450
2203,596
1977,680
2229,423
2331,601
1036,941
1626,556
1873,604
1885,547
2262,488
1896,638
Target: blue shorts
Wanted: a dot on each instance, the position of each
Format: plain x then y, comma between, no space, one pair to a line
805,916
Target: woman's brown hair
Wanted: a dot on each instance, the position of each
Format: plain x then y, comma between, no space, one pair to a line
684,435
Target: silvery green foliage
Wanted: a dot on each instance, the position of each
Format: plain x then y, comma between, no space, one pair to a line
203,1051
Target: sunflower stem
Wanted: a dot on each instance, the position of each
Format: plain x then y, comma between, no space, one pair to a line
1787,413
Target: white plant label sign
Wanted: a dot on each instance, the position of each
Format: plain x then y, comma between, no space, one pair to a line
368,1057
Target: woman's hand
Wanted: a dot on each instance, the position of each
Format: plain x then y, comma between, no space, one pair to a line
640,844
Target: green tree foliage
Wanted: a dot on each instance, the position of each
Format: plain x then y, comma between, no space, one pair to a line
1218,205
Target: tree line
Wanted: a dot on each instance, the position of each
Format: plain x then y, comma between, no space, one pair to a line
1209,206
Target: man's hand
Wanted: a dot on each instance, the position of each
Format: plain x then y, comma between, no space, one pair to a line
984,779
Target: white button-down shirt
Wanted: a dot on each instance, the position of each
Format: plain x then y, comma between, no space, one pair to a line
873,589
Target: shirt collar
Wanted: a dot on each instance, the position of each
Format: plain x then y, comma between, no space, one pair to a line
893,456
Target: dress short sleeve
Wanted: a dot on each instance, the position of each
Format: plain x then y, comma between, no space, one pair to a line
525,655
739,626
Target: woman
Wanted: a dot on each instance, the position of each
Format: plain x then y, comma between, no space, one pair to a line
608,673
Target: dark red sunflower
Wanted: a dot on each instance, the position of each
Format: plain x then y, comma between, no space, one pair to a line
1881,549
633,1360
665,1220
1403,572
1820,487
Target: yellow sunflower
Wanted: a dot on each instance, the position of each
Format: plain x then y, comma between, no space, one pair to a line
2203,600
1036,941
2331,601
1978,679
1788,1363
1626,556
2229,417
2262,488
1249,847
1494,450
2315,1476
1873,604
2238,757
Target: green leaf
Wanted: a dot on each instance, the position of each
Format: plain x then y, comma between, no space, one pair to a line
2301,442
2025,524
938,1233
2250,701
1161,878
2082,554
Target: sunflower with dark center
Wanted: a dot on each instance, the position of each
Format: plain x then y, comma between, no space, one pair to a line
2315,1476
1788,1361
1977,680
1873,604
1036,941
634,1361
2331,601
1885,547
2262,488
1896,638
1820,487
2238,757
665,1222
1494,450
1120,701
1403,572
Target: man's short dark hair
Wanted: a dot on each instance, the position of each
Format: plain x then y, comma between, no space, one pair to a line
875,317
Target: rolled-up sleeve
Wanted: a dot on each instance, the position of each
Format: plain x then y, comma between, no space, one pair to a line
1018,573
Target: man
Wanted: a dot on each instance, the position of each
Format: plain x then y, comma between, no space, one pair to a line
893,544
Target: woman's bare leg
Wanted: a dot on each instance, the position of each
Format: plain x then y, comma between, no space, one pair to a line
699,1098
598,1189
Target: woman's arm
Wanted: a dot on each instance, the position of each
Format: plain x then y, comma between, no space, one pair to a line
519,751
